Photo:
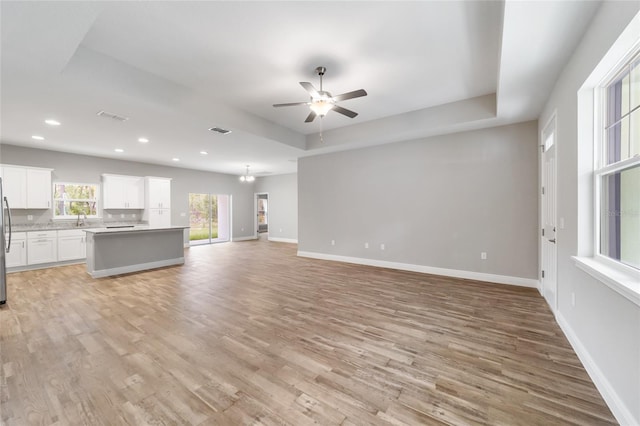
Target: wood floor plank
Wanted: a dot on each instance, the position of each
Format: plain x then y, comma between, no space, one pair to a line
248,333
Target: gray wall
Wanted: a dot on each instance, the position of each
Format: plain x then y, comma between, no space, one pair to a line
604,324
283,205
437,202
87,169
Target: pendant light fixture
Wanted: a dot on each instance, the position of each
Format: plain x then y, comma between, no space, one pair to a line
247,177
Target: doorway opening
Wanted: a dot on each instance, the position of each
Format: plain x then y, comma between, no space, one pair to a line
262,214
209,218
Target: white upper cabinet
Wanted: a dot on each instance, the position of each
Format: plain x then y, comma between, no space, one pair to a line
27,187
122,192
38,189
157,210
14,186
158,193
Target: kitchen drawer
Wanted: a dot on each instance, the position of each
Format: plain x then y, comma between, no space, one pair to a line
15,236
36,235
71,233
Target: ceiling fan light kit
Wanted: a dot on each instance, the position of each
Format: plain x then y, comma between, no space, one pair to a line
322,102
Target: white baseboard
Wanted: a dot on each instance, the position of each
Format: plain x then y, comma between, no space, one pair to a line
135,268
251,237
478,276
620,411
283,240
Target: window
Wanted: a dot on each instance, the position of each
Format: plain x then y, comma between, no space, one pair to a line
72,199
617,172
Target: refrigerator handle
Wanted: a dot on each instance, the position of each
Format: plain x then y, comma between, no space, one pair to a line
10,230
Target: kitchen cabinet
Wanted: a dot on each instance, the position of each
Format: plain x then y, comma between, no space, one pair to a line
39,188
72,245
157,201
27,187
157,193
17,255
14,186
42,247
159,218
122,192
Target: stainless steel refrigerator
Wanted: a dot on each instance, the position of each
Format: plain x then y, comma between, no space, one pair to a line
5,234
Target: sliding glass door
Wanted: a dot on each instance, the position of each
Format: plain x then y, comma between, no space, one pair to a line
208,218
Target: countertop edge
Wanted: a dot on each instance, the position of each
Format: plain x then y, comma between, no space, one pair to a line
125,230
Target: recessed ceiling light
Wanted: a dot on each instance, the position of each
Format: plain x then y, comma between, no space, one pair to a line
175,159
204,152
38,138
119,150
143,140
52,122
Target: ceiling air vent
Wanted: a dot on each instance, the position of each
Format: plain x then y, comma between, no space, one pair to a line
220,130
112,116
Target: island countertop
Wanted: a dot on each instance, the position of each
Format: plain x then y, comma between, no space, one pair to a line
120,229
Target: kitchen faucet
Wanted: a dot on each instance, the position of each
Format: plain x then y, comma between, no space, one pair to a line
81,222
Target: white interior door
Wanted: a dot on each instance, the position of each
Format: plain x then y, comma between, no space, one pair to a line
549,215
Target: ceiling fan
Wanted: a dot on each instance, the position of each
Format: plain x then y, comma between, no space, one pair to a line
322,101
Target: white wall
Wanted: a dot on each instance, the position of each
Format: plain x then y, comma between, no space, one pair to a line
603,326
283,205
81,168
436,202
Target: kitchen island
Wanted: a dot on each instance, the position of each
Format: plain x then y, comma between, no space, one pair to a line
121,250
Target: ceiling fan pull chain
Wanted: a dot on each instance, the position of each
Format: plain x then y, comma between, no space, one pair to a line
321,120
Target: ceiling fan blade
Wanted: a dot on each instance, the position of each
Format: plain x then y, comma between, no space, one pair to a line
344,111
350,95
290,104
309,88
310,117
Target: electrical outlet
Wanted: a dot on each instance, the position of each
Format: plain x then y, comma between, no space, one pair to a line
122,216
183,214
281,230
573,299
133,216
483,255
366,245
333,242
109,215
29,217
382,246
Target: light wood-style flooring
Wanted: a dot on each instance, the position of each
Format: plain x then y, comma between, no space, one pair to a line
248,333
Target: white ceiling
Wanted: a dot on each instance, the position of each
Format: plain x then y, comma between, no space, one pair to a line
178,68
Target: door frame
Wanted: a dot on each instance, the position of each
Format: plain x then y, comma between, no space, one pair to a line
551,121
255,211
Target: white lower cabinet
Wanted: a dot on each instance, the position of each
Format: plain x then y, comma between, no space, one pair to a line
17,255
72,245
42,247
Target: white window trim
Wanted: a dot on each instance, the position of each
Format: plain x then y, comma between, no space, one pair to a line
75,216
621,278
609,272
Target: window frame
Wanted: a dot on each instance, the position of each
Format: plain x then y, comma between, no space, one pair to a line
600,166
96,200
